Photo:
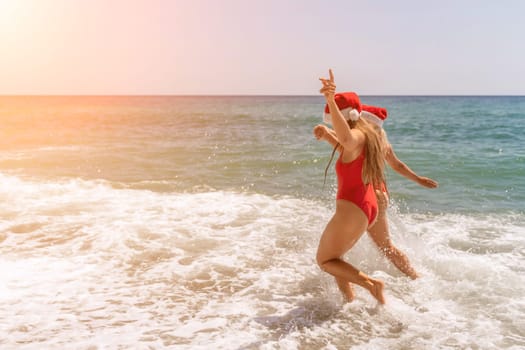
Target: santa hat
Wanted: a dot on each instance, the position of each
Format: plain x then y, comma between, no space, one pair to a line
376,115
348,104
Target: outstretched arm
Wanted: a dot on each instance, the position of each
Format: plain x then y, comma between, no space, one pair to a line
404,170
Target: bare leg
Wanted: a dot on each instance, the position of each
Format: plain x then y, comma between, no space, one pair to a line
346,289
343,270
380,235
342,232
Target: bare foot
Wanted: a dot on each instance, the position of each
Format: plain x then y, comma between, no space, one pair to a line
377,290
413,274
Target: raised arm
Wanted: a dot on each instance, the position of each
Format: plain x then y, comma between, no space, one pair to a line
403,169
348,138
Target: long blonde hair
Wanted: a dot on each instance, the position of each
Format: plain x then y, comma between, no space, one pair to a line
374,165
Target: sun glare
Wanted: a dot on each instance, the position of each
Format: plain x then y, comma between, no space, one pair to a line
10,13
7,7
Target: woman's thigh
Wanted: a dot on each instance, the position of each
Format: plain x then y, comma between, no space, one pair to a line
342,232
379,230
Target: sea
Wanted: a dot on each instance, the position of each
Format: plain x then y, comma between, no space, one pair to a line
192,222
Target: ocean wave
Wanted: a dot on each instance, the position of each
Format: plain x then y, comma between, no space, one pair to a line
89,264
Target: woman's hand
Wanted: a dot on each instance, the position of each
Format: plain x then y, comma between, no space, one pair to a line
320,131
328,89
426,182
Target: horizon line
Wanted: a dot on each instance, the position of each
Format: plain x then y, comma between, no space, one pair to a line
255,95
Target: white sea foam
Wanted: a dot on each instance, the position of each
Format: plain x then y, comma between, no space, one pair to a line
87,265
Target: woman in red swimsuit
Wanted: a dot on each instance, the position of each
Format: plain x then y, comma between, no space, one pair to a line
379,231
359,168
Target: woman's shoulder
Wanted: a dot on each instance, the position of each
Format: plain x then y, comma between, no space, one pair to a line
348,156
360,137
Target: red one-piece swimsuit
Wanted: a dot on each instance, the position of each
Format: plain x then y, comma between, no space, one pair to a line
350,186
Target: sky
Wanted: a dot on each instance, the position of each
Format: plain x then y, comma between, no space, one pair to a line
261,47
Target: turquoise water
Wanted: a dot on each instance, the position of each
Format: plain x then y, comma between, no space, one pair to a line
192,222
473,146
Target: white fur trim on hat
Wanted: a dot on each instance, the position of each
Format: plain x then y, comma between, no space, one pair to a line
372,118
348,114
